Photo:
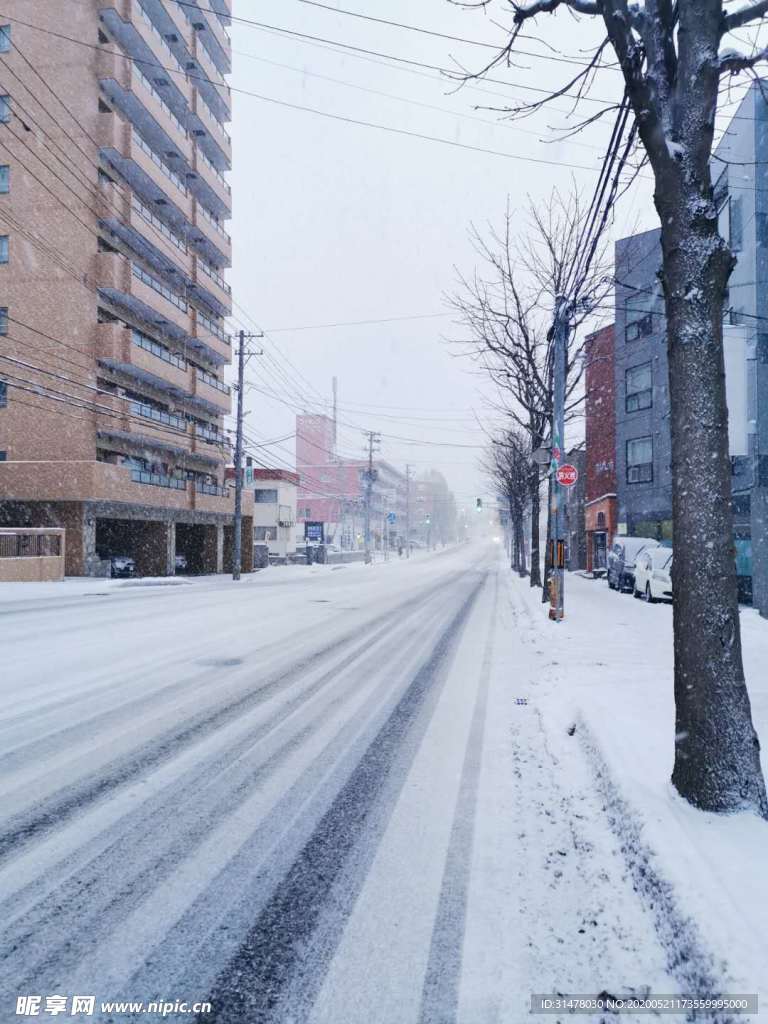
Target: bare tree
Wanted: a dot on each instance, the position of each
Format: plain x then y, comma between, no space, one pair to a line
673,55
508,464
506,307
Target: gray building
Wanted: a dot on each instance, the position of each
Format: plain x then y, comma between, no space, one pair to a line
643,455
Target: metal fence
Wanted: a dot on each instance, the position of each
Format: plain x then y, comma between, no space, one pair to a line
29,545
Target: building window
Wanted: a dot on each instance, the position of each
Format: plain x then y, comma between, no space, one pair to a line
639,384
5,109
639,328
3,319
265,496
3,456
640,460
264,533
3,394
5,38
3,248
601,520
736,225
5,178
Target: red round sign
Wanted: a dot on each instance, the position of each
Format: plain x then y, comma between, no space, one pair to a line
567,475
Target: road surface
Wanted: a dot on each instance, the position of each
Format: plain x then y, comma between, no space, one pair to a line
316,796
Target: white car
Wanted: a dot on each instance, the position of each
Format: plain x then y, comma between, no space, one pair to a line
653,579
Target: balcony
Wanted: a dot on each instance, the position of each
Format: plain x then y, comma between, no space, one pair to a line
87,481
153,111
210,443
212,286
211,334
158,238
216,141
223,500
140,37
149,176
211,188
169,429
213,391
128,285
211,83
217,40
160,361
173,483
211,238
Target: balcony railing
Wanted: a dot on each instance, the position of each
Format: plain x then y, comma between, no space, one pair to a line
214,382
141,476
209,434
145,146
213,489
213,328
148,85
161,39
149,412
212,220
160,288
213,168
152,218
158,350
214,276
213,117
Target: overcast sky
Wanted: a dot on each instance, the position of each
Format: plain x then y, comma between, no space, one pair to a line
336,222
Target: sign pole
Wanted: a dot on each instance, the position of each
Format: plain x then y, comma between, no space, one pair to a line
558,455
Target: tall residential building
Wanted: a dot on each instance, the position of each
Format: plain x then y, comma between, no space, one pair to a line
113,302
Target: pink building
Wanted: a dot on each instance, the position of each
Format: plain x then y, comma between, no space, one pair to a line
332,490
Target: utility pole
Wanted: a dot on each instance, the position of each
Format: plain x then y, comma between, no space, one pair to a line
237,546
373,439
557,553
408,511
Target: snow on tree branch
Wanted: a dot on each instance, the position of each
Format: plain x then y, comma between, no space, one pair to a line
745,15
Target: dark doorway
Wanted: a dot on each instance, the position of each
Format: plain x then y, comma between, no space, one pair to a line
599,551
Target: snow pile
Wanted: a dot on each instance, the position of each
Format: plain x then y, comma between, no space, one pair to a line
605,694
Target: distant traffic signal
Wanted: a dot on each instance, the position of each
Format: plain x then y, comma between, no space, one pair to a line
428,519
479,506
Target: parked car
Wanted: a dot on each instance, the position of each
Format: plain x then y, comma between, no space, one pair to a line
621,561
653,580
121,566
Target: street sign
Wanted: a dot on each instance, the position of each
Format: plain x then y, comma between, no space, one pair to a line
567,475
391,517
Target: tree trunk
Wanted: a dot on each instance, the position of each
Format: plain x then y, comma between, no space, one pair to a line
717,752
520,544
535,527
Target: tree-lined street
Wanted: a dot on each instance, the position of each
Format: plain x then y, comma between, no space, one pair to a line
370,824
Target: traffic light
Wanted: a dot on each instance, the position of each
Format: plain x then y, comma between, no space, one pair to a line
428,519
479,506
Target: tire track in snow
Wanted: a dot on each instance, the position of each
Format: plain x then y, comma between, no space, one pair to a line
251,987
440,993
26,826
216,788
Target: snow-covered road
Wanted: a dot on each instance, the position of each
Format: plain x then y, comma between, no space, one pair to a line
321,795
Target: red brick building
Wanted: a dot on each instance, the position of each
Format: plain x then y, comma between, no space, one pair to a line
600,411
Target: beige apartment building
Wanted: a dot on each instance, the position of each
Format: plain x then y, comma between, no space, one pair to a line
113,303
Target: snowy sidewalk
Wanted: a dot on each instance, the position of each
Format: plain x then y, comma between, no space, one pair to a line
602,684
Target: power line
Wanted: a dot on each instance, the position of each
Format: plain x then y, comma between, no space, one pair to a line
394,24
392,129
